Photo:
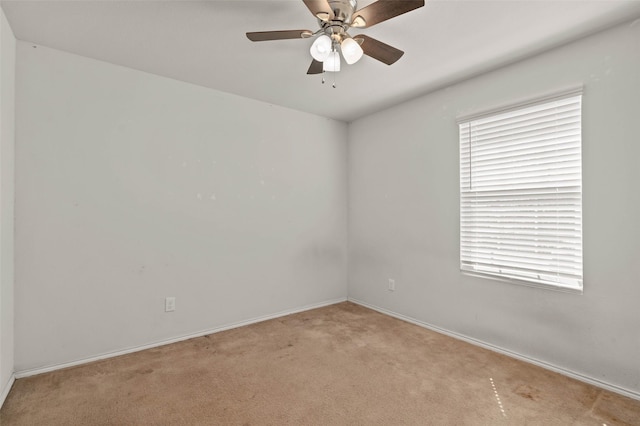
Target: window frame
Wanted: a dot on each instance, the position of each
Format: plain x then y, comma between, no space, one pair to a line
499,275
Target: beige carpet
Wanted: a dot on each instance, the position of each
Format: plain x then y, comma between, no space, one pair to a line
339,365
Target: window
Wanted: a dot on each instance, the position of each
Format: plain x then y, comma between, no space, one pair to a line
521,193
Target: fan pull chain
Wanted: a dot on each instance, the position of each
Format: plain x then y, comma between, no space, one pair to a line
324,80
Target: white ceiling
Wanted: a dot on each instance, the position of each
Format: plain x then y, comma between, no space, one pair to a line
203,42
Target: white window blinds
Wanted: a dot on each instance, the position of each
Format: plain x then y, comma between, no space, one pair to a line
521,193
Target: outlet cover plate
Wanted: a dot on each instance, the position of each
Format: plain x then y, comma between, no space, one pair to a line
170,304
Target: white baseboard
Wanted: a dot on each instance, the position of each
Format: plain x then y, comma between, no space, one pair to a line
6,389
53,367
545,365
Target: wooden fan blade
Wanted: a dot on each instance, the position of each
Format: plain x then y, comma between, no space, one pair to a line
378,50
382,10
278,35
320,9
315,67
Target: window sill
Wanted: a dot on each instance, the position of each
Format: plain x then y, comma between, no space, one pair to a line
552,287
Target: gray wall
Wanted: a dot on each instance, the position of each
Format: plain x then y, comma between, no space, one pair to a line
404,214
7,86
132,187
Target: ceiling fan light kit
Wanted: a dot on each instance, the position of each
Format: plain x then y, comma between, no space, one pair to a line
351,51
321,48
335,18
332,63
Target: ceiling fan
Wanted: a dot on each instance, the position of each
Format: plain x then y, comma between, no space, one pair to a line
335,18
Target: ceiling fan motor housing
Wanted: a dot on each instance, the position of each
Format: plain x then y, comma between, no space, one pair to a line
343,10
337,27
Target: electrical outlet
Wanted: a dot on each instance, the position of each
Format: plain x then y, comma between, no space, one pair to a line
392,284
170,304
